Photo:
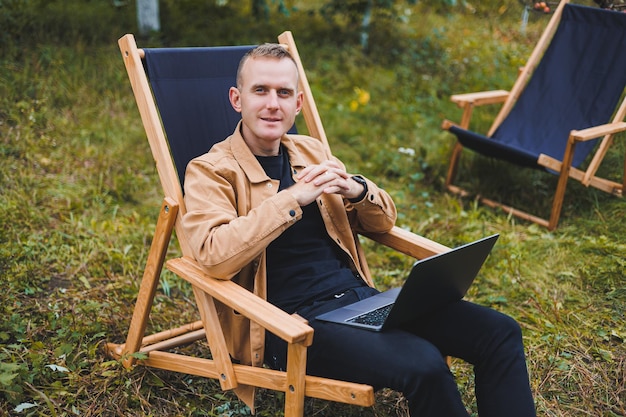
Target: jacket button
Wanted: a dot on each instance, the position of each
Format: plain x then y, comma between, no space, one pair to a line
292,213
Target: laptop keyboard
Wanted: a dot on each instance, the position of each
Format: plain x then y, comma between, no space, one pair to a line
373,318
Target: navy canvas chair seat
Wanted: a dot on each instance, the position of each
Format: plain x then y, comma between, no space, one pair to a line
182,97
573,81
187,84
495,148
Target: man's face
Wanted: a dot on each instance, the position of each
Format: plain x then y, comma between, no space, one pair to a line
268,101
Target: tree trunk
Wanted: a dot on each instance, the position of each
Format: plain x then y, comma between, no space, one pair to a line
365,25
148,19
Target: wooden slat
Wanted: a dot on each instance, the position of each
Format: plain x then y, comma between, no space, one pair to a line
559,193
597,131
468,101
495,204
408,243
515,212
150,279
315,387
480,98
215,337
171,333
454,163
602,184
175,341
163,340
603,148
243,301
296,372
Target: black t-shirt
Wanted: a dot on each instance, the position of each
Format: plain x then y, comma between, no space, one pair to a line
303,263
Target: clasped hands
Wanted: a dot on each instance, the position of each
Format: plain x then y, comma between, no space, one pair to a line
329,177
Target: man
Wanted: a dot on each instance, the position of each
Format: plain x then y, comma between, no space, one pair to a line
275,213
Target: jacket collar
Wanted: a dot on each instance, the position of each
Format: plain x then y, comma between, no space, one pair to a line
246,159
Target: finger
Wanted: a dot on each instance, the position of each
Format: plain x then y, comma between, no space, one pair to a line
342,174
331,164
305,172
315,173
335,189
324,178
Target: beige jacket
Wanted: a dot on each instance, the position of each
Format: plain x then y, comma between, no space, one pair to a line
234,210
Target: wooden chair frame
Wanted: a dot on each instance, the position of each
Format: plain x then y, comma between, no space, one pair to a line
467,102
294,382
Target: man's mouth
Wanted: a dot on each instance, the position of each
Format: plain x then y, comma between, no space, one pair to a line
270,119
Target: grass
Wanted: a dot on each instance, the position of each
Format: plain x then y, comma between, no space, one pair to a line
79,197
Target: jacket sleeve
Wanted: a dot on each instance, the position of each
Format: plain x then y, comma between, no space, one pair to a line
376,212
224,241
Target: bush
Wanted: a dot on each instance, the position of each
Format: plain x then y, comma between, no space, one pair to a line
89,22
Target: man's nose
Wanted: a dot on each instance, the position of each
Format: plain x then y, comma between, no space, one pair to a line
272,99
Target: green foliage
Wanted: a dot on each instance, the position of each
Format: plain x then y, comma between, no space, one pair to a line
79,197
64,22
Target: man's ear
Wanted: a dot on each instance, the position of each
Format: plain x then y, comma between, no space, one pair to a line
235,99
299,102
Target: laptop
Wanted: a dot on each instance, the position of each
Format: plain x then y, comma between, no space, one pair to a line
432,282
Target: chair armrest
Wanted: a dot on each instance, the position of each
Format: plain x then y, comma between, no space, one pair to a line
408,243
270,317
480,98
597,131
447,124
470,100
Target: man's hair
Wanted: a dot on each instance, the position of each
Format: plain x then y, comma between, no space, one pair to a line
266,50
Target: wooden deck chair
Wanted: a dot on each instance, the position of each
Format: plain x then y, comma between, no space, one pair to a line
183,103
563,101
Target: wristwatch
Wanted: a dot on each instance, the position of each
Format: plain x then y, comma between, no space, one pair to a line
361,181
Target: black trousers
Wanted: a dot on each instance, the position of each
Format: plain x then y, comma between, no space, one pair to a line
411,360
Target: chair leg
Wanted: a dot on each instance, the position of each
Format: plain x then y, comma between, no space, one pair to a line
296,373
623,190
557,204
454,162
150,280
458,148
215,337
559,194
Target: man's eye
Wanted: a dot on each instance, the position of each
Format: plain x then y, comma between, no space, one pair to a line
284,93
